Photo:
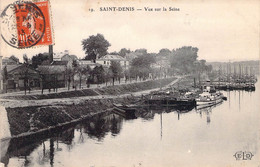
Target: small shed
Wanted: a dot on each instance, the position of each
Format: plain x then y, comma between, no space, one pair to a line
20,76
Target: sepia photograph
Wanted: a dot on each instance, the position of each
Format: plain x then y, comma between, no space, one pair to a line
133,83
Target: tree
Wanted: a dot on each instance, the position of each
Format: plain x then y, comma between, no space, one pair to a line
113,53
25,73
108,74
5,78
25,59
69,75
141,51
143,61
116,70
123,52
165,52
39,59
183,59
200,66
82,71
209,68
95,47
134,72
76,70
75,66
127,75
97,75
141,66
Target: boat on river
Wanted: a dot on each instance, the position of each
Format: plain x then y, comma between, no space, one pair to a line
169,98
250,86
209,96
208,99
126,111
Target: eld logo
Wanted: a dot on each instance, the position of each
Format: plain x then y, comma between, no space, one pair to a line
243,155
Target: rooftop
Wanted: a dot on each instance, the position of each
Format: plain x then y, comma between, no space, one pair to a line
12,67
64,63
51,69
111,57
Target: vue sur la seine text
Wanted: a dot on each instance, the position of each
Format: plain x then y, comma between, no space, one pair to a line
130,9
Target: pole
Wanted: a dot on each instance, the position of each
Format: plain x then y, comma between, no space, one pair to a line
50,54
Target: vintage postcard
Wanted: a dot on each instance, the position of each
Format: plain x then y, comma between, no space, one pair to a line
131,83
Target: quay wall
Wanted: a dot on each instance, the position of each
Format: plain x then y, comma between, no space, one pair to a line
24,121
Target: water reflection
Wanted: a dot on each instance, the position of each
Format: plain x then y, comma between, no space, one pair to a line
175,130
96,128
101,125
206,111
47,143
148,113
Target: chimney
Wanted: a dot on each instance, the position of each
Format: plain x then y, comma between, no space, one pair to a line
50,54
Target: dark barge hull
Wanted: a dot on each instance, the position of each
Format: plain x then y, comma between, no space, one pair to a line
171,102
124,111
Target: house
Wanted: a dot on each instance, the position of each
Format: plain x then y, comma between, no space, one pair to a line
53,76
85,63
69,58
57,56
65,57
107,59
20,76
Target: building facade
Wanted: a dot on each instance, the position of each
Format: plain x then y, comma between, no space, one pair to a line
107,59
20,77
53,76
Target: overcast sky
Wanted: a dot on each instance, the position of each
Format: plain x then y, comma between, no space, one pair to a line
222,30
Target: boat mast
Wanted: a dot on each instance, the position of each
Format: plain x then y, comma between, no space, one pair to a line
227,73
246,70
219,75
250,75
161,75
199,79
229,68
239,74
235,72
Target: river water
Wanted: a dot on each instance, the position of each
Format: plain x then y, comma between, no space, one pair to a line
158,137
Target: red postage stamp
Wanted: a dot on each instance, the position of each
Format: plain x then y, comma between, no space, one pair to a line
27,24
47,37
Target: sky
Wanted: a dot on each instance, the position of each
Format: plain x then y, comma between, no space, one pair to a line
222,30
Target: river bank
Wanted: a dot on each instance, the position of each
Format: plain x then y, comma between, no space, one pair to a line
27,117
135,89
108,90
26,120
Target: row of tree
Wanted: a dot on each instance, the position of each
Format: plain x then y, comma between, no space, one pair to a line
98,75
182,60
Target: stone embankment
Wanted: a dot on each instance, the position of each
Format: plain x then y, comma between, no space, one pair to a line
33,113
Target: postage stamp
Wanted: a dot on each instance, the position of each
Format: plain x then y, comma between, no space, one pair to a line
26,24
47,38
